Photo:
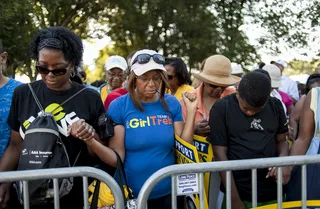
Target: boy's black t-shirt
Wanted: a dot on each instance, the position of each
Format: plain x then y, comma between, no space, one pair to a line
87,105
248,137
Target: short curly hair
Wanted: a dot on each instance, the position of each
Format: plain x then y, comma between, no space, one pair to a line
69,43
255,88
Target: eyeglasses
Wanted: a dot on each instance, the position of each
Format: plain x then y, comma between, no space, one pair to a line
115,75
155,79
145,58
46,71
170,77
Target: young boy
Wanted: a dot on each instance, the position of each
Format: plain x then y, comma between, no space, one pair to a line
247,125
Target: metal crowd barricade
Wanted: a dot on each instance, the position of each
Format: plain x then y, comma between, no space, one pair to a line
57,173
229,166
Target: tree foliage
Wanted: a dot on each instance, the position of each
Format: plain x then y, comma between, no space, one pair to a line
193,30
22,19
16,30
297,67
288,24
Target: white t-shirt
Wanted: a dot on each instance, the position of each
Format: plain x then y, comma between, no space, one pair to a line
290,87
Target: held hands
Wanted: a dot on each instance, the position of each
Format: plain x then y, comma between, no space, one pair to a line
4,195
292,133
286,174
202,128
190,100
81,130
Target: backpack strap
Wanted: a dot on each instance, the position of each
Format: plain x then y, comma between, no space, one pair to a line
67,100
81,90
35,98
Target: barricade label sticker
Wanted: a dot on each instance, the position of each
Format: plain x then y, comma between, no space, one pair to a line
187,184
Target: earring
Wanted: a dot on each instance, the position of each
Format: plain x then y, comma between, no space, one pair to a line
1,69
73,74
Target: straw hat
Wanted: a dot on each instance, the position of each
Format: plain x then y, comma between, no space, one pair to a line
217,71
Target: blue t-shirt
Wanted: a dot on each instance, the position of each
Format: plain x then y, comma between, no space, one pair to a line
6,93
149,140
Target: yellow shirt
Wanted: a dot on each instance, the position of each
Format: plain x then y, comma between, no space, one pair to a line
104,91
183,88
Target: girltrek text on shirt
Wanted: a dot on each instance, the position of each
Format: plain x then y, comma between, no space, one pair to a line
148,121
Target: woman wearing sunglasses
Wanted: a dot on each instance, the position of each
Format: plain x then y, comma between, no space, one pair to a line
57,52
146,120
179,77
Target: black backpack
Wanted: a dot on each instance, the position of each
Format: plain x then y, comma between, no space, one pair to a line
43,148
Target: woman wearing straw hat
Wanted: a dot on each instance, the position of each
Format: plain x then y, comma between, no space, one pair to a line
215,77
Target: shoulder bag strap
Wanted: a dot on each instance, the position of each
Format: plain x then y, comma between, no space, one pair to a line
95,197
35,98
122,174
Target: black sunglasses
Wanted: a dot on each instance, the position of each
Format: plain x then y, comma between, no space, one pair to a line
215,86
46,71
170,77
145,58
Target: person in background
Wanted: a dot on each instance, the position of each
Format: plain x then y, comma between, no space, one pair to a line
275,76
236,71
146,120
307,143
261,64
250,125
312,82
97,83
301,89
114,95
7,86
215,77
58,53
288,86
83,76
178,76
115,67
